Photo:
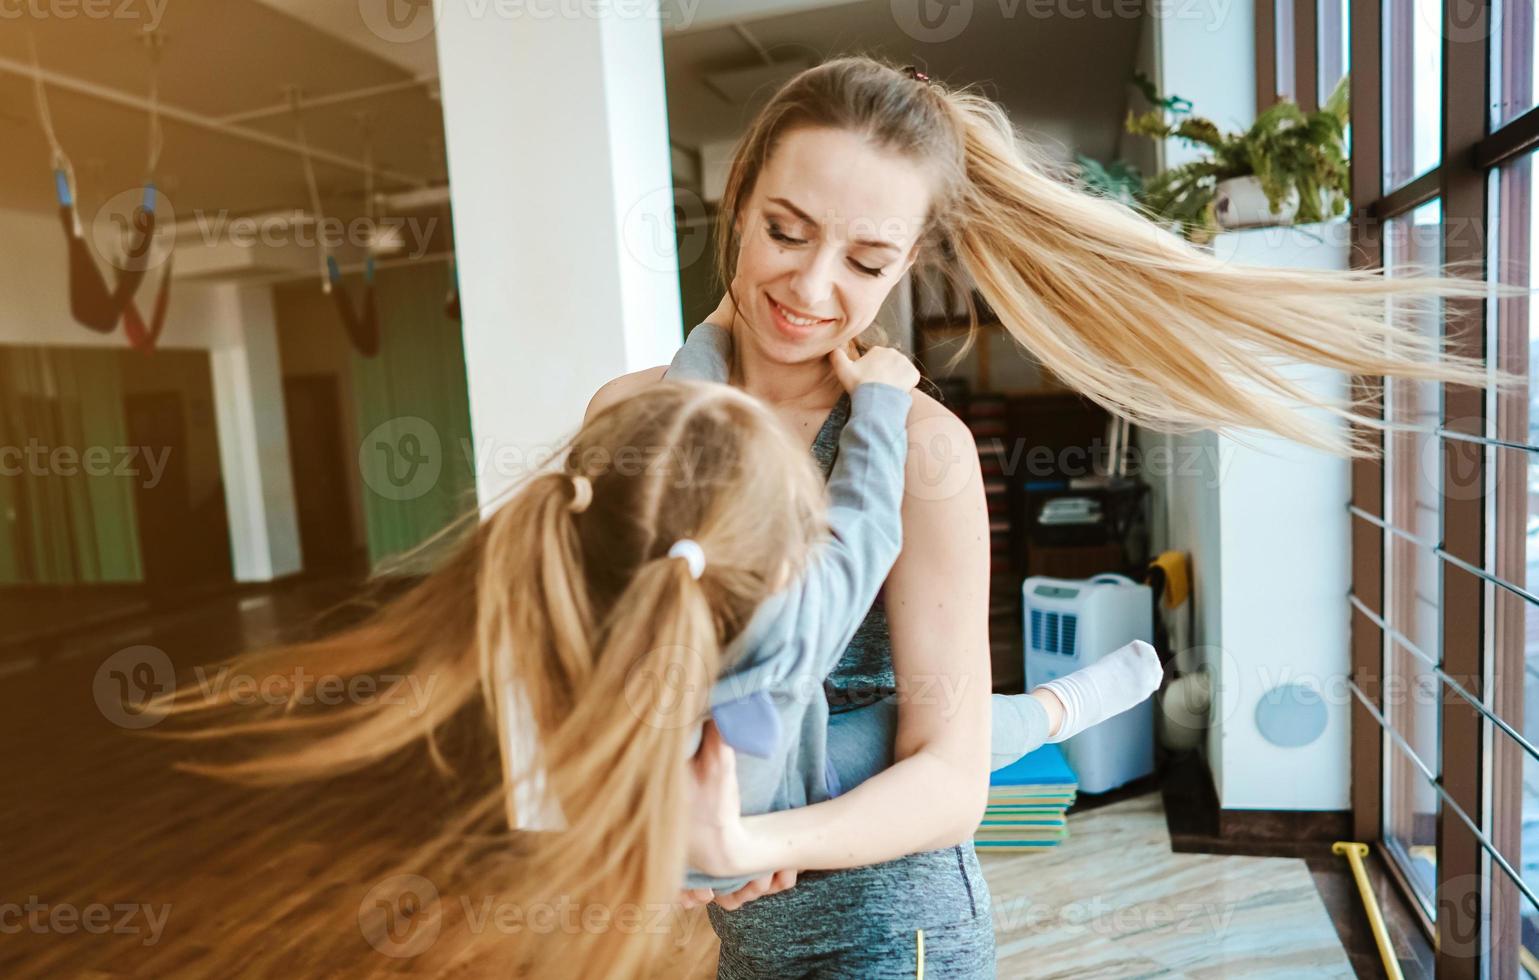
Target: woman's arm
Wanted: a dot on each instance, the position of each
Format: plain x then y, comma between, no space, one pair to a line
937,608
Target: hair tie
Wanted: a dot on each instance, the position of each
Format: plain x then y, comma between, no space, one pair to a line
582,494
692,553
916,74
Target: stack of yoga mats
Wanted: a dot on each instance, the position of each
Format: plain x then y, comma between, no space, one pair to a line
1027,803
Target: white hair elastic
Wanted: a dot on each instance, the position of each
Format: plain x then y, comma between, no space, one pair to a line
691,552
582,494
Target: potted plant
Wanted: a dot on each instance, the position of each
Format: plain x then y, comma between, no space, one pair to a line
1288,167
1118,180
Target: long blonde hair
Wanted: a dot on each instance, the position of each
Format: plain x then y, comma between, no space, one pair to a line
1134,317
611,645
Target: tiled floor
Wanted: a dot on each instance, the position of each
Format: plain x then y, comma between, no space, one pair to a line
93,814
1114,901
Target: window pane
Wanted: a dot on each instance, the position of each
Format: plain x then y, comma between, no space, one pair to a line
1333,44
1512,59
1513,923
1413,89
1413,599
1410,802
1512,514
1285,51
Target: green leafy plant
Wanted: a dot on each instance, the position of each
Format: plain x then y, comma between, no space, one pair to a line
1118,180
1286,149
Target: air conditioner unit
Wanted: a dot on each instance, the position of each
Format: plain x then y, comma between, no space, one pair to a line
1072,623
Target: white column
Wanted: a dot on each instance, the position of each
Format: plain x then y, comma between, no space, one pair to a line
1274,596
253,435
557,133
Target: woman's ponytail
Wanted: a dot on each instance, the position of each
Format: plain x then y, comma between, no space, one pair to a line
1164,333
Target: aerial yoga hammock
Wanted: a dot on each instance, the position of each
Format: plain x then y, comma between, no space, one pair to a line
452,301
362,327
92,304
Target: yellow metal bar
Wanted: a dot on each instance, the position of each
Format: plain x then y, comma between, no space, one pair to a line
1528,962
919,954
1355,852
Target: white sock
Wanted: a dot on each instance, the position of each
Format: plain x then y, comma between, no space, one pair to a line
1019,726
1110,686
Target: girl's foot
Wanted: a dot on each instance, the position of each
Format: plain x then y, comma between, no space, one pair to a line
1108,687
1062,708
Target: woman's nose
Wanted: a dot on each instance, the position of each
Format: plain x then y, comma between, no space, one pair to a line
813,283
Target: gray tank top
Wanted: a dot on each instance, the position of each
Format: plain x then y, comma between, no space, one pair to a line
864,674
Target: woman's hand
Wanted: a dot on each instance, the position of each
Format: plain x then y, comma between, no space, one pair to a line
718,843
886,365
758,888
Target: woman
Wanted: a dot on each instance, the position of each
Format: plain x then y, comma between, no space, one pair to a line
849,175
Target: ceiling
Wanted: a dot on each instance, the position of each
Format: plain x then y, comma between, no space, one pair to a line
1063,79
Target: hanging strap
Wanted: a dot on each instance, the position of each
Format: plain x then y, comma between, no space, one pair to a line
315,194
91,303
362,328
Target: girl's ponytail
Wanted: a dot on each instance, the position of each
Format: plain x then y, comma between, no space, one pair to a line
558,642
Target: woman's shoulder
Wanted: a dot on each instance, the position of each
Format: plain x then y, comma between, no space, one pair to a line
622,388
930,416
942,474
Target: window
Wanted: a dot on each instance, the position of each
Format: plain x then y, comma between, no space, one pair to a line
1413,88
1446,539
1332,44
1512,60
1513,555
1413,504
1286,53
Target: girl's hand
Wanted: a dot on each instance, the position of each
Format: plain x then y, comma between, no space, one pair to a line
693,898
718,843
881,364
758,888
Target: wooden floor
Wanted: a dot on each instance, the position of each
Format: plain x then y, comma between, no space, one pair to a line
115,865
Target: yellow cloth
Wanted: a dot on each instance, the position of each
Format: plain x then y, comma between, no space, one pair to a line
1178,579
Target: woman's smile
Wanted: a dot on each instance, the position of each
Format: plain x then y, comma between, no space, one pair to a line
795,324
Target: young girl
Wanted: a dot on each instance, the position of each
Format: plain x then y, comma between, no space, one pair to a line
773,687
596,611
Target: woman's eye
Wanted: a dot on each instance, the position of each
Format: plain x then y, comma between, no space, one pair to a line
777,235
780,236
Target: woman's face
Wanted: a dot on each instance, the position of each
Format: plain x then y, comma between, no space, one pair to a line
832,225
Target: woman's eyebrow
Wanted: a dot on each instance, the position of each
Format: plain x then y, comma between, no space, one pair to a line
804,216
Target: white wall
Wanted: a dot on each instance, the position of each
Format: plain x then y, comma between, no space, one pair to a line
557,137
222,318
1283,557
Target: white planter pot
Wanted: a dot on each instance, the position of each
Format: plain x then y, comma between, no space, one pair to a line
1239,202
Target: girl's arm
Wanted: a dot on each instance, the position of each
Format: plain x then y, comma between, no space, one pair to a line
937,608
797,636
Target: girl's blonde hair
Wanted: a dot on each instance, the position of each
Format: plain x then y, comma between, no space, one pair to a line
1145,324
611,645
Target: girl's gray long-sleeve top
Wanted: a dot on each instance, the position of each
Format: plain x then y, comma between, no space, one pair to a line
769,703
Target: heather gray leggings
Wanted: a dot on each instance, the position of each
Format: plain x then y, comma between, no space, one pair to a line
866,922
